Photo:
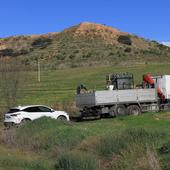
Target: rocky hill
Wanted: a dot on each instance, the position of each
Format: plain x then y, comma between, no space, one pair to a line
86,44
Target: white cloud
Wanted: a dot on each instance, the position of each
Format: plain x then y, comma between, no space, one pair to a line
166,43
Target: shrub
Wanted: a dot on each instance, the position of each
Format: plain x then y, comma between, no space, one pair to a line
8,162
127,50
124,39
41,42
137,157
43,134
77,161
86,55
111,145
131,149
165,148
162,47
61,57
76,51
71,56
7,52
164,152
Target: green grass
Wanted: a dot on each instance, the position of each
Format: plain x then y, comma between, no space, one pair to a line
77,161
17,159
59,86
60,143
49,144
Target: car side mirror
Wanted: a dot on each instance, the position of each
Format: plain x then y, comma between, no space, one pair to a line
52,110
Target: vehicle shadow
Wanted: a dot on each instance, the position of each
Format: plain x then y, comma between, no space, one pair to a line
80,119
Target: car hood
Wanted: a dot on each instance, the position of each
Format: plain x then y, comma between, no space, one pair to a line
61,112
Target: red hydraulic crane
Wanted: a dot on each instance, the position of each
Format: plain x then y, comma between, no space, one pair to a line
147,78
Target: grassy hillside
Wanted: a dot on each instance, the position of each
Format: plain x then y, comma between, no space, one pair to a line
86,44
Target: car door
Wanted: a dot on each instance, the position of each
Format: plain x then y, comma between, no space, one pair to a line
46,111
32,112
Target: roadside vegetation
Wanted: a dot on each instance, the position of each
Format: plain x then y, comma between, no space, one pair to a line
131,142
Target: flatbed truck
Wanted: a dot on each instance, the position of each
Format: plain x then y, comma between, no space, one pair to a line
122,98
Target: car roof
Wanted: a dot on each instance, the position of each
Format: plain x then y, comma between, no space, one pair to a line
27,106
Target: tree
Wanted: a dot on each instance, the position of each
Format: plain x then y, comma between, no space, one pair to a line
12,80
124,39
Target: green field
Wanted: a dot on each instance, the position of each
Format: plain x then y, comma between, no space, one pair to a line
58,86
122,143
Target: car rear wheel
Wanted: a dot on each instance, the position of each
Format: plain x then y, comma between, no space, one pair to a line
63,118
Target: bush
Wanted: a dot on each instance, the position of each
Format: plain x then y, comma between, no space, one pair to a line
162,47
61,57
77,161
165,149
10,161
72,56
14,53
124,39
137,157
44,134
132,149
88,55
7,52
42,42
164,152
127,50
111,145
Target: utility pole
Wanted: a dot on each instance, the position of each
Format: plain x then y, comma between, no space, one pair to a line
39,71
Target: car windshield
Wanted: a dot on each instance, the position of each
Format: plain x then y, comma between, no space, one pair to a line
13,110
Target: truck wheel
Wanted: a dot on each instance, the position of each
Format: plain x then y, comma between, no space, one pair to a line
120,110
133,110
112,112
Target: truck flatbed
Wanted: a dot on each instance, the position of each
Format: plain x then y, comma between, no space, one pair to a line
110,97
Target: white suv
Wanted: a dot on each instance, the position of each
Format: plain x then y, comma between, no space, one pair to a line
21,114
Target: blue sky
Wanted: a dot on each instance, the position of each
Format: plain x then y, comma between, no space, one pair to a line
146,18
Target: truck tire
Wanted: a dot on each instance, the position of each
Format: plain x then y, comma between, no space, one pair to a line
120,110
112,111
134,110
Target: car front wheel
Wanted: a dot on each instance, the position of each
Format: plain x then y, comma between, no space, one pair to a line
63,118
